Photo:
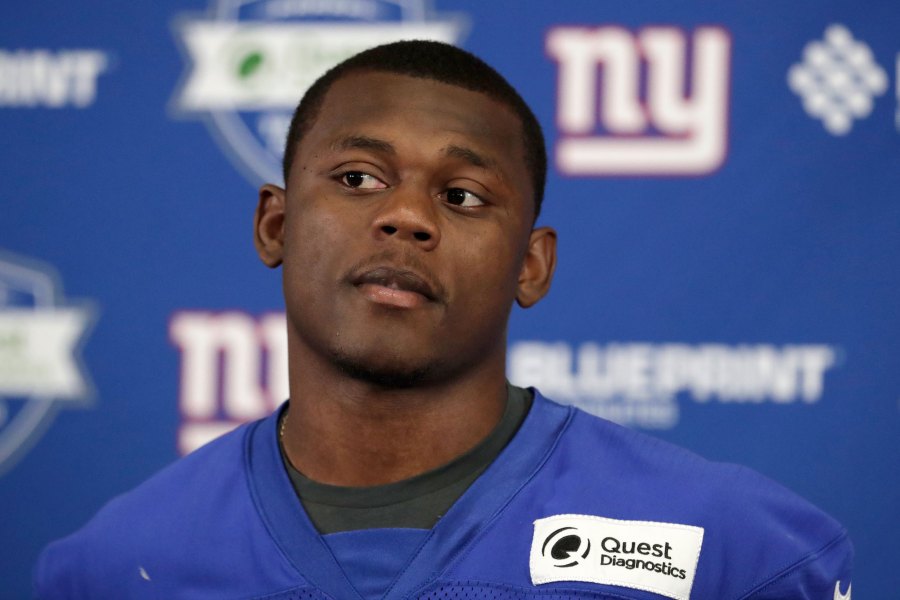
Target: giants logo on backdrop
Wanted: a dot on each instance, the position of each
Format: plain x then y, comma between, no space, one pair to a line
50,79
252,60
233,370
40,370
641,103
640,383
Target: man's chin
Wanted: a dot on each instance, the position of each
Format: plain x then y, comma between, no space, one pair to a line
387,374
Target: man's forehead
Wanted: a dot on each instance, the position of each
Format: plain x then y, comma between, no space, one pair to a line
464,153
366,95
373,111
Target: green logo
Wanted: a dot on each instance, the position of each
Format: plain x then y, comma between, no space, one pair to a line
250,64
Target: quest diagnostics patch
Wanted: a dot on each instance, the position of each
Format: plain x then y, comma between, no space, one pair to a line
643,555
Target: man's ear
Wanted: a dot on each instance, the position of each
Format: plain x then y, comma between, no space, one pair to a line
268,225
537,267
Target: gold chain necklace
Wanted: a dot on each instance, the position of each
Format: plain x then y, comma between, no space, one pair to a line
281,427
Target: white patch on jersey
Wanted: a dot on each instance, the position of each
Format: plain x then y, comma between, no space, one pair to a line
837,591
643,555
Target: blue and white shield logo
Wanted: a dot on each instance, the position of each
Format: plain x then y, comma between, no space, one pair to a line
40,370
250,61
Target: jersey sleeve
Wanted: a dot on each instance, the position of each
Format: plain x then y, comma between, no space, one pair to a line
788,548
94,562
823,575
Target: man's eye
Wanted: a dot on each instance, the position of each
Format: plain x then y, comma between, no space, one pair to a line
461,197
361,181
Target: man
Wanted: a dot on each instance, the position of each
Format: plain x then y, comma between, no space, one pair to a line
404,465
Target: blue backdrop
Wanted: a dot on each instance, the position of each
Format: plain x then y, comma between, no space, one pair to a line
725,181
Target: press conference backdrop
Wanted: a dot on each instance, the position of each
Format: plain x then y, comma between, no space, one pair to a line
725,180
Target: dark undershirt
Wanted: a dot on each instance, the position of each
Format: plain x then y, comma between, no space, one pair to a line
417,502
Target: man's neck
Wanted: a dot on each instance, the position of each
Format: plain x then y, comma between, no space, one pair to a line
343,431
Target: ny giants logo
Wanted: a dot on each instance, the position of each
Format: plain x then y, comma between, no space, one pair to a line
641,103
233,370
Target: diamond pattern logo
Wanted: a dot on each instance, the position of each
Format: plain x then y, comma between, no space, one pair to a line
837,80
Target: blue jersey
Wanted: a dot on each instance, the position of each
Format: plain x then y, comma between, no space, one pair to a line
574,507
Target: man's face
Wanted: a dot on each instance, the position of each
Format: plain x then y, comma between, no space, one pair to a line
407,221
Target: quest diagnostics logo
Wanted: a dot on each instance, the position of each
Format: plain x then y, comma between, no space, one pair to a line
644,555
250,61
40,369
565,548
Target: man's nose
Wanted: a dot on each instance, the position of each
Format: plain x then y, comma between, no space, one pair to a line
409,214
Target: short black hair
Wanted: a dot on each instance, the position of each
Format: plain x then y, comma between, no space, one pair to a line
439,62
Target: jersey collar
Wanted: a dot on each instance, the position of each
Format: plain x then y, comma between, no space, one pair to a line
290,527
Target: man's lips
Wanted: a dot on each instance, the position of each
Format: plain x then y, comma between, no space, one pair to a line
396,287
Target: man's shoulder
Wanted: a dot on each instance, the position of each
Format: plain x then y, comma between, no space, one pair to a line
164,520
754,529
600,453
182,485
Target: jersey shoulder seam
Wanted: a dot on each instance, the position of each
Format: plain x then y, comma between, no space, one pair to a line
807,558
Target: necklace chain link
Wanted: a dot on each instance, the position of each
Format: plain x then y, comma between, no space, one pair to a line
281,427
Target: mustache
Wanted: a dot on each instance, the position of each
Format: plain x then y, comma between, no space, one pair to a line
407,271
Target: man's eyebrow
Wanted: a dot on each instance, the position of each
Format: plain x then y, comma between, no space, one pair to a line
470,156
363,142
